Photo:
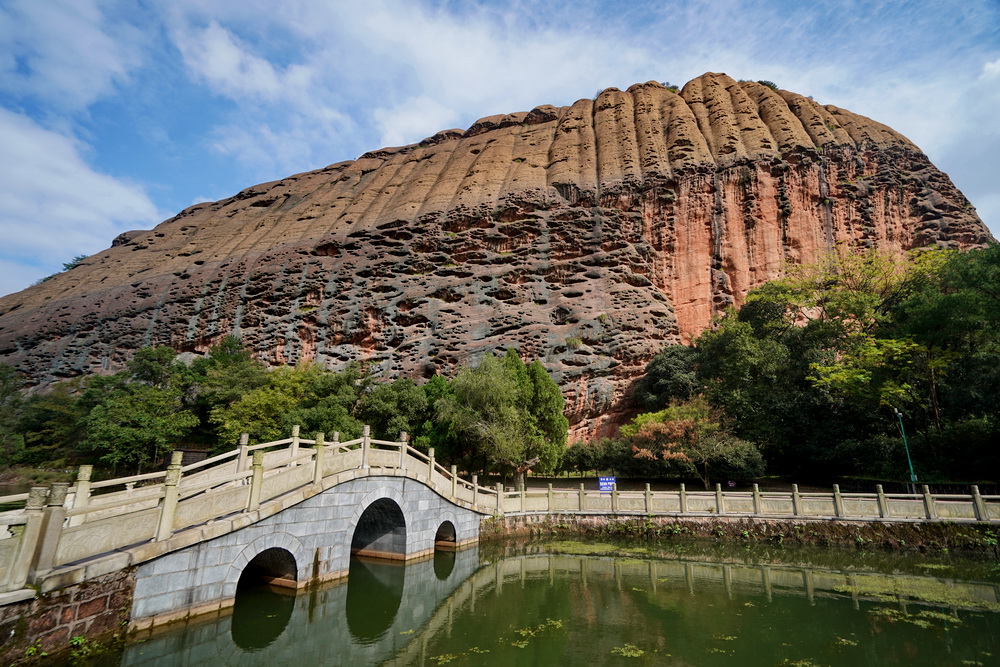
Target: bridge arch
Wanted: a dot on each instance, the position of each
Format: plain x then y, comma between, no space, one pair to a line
274,566
317,531
380,530
445,537
274,542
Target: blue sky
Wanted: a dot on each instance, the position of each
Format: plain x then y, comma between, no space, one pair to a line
116,114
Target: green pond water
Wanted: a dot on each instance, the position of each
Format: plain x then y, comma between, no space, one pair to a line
612,604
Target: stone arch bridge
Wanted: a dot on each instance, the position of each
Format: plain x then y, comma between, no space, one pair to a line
289,513
293,511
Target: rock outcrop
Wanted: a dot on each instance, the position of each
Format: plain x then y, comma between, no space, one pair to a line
587,236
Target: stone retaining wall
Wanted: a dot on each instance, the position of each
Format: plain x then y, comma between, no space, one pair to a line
95,609
980,538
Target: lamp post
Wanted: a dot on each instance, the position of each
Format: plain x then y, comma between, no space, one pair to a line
909,461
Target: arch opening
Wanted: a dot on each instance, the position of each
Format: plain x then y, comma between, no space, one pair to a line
445,537
271,567
381,531
265,599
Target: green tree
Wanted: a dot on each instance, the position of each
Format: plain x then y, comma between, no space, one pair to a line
393,407
506,412
155,366
689,436
53,426
670,376
436,433
330,403
11,441
138,424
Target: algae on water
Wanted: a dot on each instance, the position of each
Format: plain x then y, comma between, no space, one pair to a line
931,591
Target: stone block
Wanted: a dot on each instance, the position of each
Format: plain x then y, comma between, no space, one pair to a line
92,607
55,639
210,591
174,562
67,615
105,622
107,565
147,552
61,579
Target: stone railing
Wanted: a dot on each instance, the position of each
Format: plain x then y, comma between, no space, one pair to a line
65,524
923,506
150,514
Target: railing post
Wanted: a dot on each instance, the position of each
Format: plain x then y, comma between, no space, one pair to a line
365,444
454,481
583,497
403,439
796,500
499,497
82,496
979,505
883,506
294,448
53,517
838,501
683,499
319,454
430,465
614,498
241,462
756,499
24,558
720,502
475,491
168,508
522,496
549,505
649,500
256,481
929,507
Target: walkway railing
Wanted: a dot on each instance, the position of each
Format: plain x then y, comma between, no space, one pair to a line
66,524
923,506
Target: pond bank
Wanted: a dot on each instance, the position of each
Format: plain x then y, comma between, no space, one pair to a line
973,538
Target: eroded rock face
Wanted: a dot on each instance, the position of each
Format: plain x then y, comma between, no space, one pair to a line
587,236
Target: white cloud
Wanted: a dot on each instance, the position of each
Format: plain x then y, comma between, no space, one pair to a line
55,205
215,55
401,124
67,53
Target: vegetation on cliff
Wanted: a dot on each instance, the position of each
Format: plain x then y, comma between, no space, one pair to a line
813,368
815,373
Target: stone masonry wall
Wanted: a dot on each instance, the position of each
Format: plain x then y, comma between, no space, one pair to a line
94,609
944,536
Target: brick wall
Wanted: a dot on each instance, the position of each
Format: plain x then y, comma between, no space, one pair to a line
96,609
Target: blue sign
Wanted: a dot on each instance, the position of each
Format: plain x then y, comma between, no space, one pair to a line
605,483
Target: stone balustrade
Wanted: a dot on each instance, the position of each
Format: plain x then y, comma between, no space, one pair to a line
65,524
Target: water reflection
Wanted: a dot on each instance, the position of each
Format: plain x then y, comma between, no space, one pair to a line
444,563
374,591
260,615
547,609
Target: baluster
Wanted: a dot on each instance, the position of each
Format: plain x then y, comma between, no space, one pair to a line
82,496
319,456
168,507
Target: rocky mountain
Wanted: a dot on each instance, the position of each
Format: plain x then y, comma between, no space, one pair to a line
587,236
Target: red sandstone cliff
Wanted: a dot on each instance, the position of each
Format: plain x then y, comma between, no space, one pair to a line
587,236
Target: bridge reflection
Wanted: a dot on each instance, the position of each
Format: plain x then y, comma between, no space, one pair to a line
388,613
